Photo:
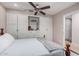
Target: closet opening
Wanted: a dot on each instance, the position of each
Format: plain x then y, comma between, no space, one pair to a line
71,32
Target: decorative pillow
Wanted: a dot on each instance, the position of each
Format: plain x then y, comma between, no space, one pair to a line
5,41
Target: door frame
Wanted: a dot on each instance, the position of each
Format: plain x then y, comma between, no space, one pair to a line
67,14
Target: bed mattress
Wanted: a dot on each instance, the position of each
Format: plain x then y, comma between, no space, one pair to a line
26,47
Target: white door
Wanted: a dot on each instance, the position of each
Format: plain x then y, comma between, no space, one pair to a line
17,25
22,26
12,24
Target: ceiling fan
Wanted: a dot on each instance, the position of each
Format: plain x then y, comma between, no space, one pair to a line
38,9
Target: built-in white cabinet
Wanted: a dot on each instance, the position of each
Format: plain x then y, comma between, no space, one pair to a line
17,25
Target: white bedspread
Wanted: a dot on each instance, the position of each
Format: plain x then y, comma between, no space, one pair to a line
26,47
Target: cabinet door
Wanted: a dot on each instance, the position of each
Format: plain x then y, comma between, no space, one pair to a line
12,24
22,26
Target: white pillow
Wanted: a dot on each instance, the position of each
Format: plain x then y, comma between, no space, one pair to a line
5,41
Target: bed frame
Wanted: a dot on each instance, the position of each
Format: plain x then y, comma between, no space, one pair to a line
67,48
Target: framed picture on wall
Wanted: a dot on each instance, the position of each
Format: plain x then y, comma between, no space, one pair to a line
33,23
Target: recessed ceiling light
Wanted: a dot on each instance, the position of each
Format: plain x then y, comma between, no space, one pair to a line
15,5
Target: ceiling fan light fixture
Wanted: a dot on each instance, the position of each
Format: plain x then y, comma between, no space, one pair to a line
37,5
38,9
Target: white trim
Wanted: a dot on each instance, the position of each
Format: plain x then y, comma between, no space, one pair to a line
63,31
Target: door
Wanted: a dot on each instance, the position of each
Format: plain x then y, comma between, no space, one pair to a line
11,26
22,26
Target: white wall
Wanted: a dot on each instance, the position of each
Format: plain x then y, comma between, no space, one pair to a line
58,22
46,25
75,28
2,17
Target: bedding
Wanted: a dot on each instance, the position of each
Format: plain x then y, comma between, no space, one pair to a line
53,48
5,41
50,45
56,52
28,47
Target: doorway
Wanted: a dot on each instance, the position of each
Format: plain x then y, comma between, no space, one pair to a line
68,28
71,32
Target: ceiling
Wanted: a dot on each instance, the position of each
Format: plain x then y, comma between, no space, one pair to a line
55,6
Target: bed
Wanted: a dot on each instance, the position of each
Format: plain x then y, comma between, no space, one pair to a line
28,47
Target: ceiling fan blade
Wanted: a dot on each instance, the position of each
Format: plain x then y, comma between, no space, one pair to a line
35,13
32,4
46,7
42,12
